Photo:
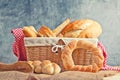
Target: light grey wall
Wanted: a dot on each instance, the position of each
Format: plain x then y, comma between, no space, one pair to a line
18,13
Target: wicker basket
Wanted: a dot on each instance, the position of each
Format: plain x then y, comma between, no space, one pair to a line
44,48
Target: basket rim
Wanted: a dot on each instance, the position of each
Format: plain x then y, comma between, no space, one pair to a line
58,38
51,41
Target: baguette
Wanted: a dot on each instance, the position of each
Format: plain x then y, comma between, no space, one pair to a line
59,28
44,31
29,31
21,66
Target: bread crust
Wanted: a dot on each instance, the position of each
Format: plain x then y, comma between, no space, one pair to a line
45,67
68,62
59,28
44,31
85,28
29,31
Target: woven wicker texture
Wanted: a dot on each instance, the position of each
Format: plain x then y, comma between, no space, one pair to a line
46,53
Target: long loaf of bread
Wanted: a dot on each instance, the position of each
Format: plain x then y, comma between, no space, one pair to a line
59,28
21,66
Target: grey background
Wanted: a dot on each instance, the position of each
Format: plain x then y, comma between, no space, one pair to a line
19,13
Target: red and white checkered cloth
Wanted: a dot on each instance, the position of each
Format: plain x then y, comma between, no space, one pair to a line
19,49
18,45
105,66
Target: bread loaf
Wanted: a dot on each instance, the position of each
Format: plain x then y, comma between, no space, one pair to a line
44,31
59,28
29,31
21,66
84,28
45,67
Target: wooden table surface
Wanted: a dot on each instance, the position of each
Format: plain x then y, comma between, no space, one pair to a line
67,75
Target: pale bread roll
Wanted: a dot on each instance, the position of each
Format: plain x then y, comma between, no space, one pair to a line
56,67
38,69
36,63
47,67
50,68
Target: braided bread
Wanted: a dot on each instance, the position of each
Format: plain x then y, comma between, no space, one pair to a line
68,62
45,67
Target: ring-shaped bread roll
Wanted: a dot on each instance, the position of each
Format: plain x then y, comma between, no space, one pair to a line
68,62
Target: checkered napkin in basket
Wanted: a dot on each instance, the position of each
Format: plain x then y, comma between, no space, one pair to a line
18,45
19,49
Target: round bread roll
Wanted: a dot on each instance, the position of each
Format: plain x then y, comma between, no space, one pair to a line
38,69
68,62
85,28
36,63
56,67
37,66
47,67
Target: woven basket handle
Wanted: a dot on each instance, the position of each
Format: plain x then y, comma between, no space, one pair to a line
18,45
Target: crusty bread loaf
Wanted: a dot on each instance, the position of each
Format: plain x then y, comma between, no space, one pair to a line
84,28
68,62
72,34
71,26
59,28
59,35
21,66
29,31
44,31
33,29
